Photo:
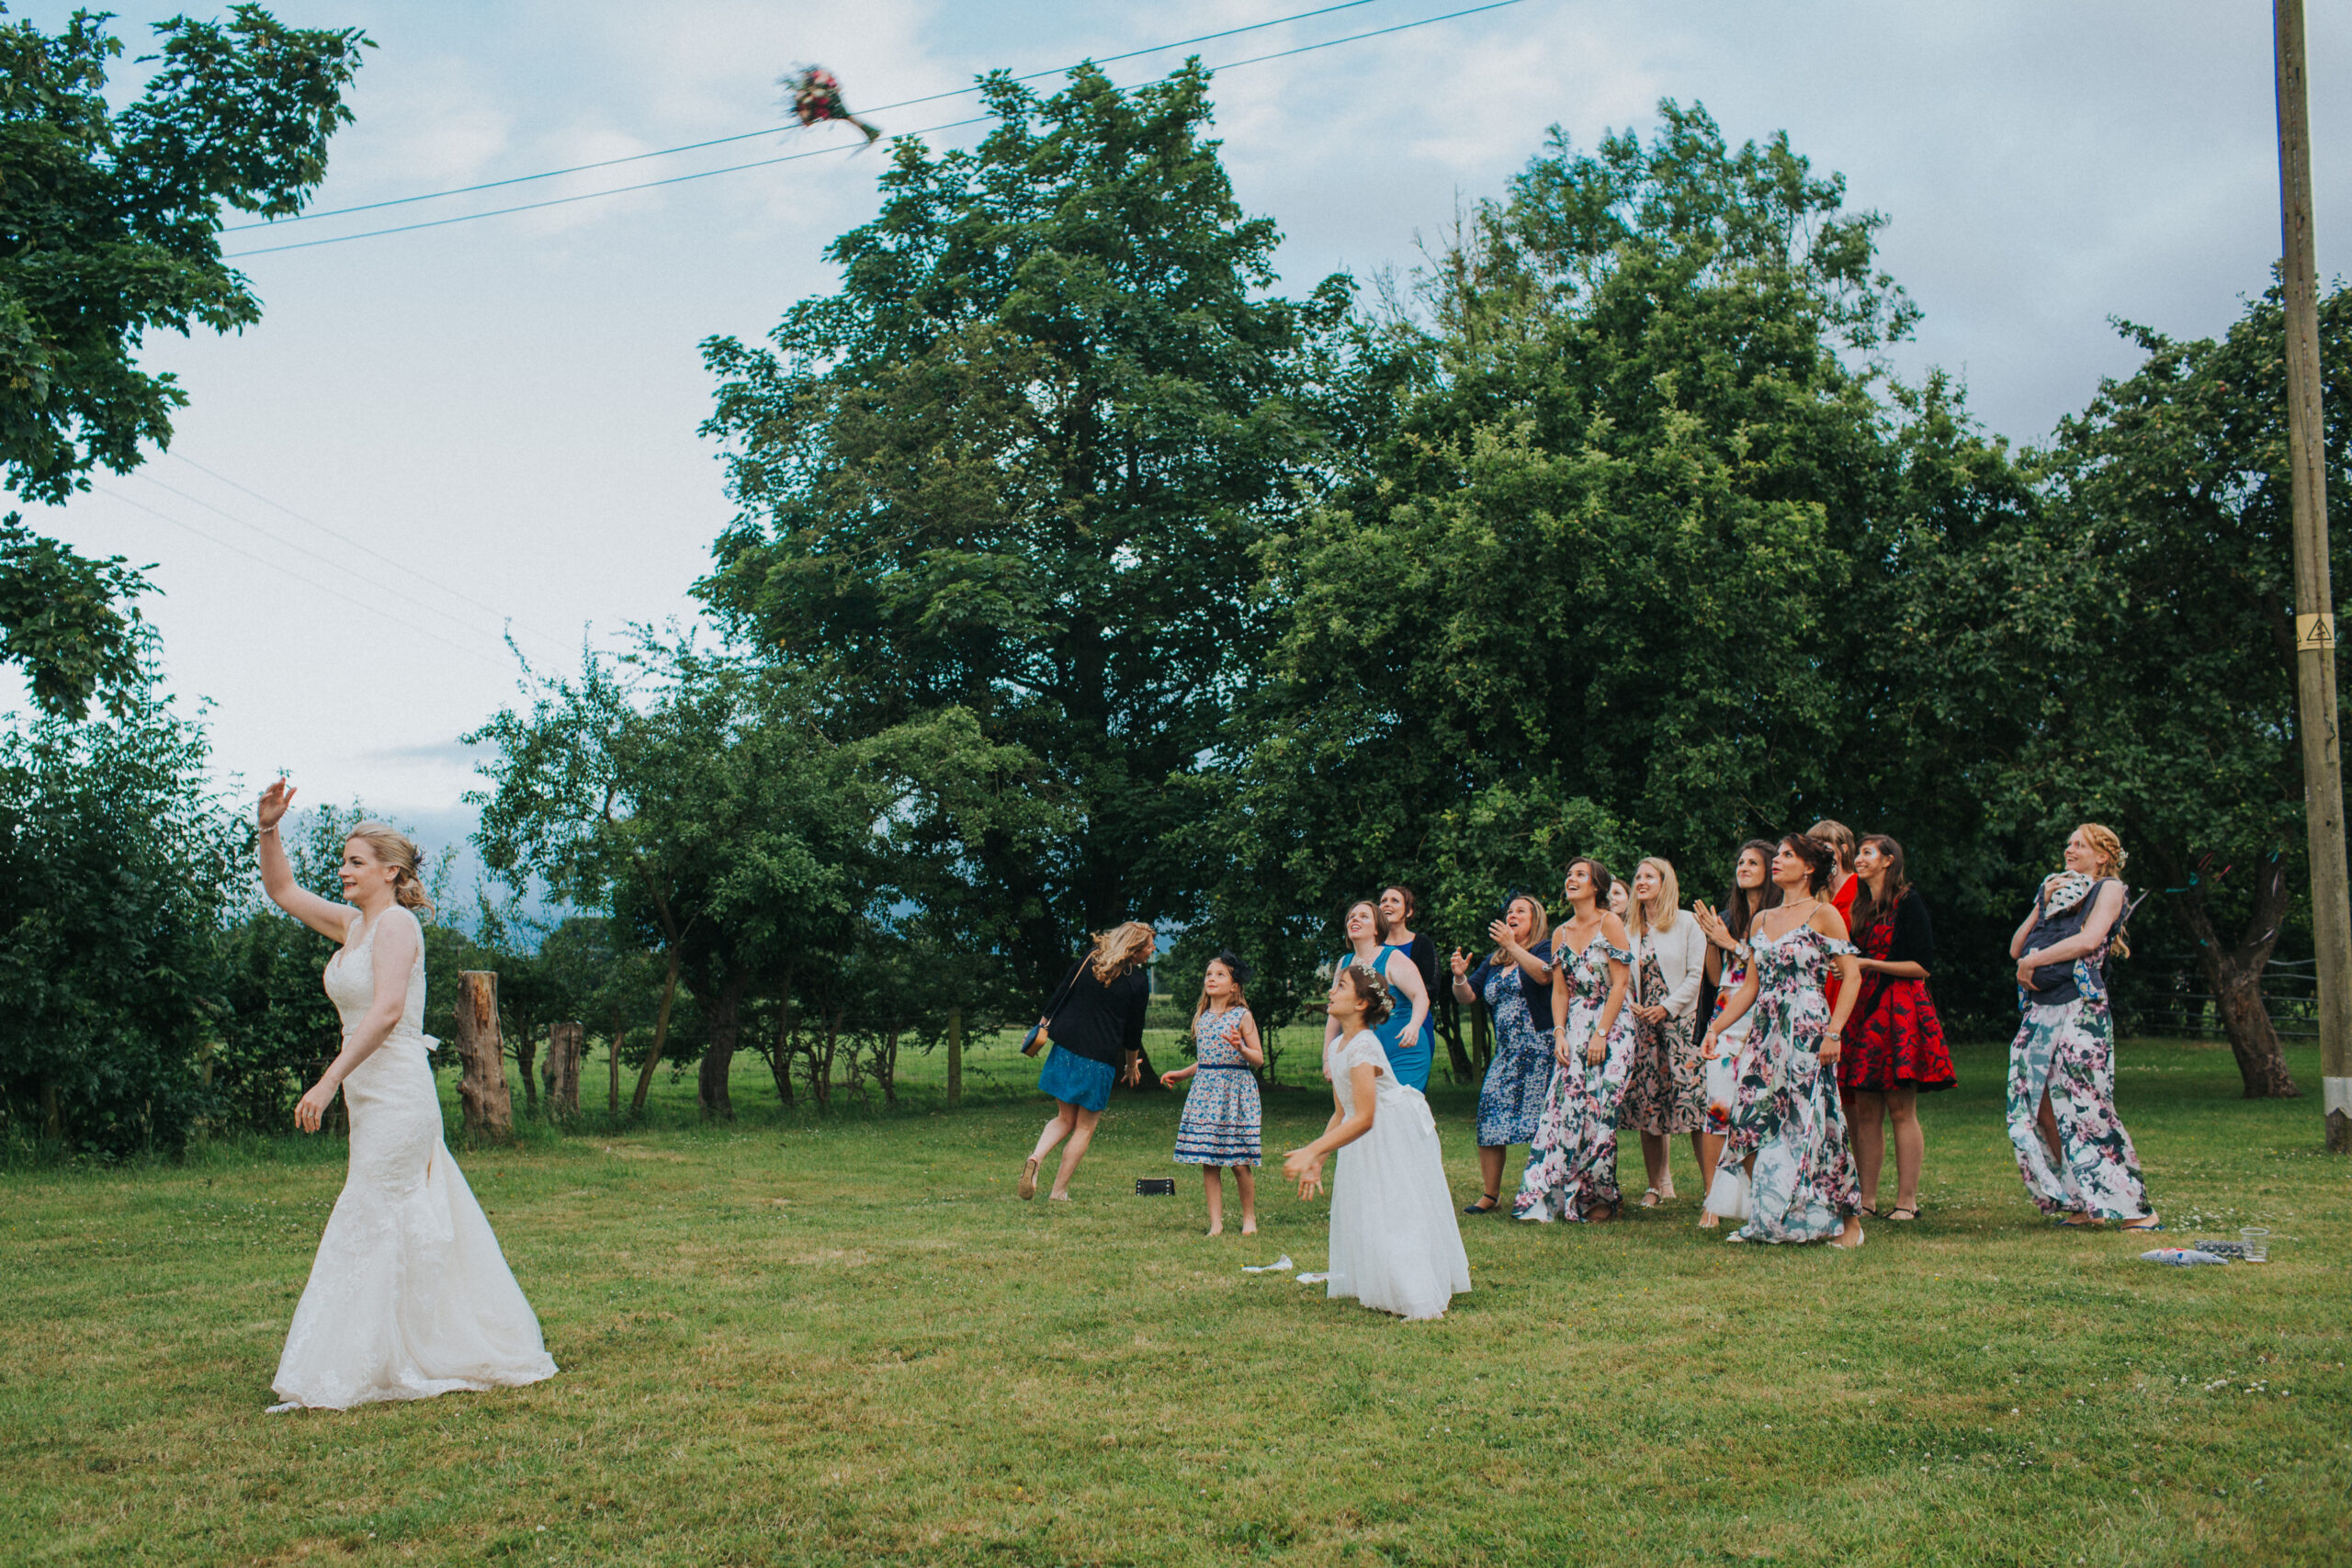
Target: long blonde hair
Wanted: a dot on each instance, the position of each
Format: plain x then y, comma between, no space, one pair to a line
1667,897
397,851
2105,844
1119,949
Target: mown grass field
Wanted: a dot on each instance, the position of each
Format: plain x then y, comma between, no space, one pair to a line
840,1340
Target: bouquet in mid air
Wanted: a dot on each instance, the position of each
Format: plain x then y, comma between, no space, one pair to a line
817,96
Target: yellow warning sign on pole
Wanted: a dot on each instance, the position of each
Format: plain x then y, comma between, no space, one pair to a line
2314,634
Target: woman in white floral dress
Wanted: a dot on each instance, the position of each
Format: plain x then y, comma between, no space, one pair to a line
1572,1164
1786,1124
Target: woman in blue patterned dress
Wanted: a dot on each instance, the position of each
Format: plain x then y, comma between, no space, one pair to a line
1515,982
1572,1160
1786,1126
2077,1161
1222,1112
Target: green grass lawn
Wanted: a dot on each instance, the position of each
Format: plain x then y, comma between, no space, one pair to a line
840,1340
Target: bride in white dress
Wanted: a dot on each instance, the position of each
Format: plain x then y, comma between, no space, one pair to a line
1395,1245
408,1296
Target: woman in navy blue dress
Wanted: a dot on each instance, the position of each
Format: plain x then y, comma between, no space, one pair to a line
1515,982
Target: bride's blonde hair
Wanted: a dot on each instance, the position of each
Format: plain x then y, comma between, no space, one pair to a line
397,851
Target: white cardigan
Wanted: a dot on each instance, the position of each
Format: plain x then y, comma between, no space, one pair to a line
1681,952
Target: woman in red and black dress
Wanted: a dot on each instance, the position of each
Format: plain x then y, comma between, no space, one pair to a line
1894,1043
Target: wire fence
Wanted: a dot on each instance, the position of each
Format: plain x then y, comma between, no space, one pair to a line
2177,1010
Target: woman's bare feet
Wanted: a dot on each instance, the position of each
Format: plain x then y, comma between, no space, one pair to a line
1058,1197
1217,1229
1249,1225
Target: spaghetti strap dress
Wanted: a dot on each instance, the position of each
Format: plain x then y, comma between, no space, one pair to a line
1572,1161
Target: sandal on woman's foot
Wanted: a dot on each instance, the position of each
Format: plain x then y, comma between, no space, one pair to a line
2084,1222
1027,1187
1649,1198
2150,1223
1905,1212
1866,1212
1486,1204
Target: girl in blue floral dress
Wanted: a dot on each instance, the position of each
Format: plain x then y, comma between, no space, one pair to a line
1786,1123
1572,1161
1222,1112
2077,1161
1515,982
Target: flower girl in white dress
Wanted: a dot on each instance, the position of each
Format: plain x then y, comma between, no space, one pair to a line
1394,1242
408,1296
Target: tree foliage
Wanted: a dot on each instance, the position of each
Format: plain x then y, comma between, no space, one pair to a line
1017,467
110,230
118,865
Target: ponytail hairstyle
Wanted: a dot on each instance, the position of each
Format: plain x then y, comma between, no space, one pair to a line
1119,949
2105,844
1740,906
1839,837
1820,859
1869,911
1372,989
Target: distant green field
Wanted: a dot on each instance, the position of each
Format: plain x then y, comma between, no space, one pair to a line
841,1339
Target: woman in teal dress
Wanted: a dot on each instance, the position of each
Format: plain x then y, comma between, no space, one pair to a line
1400,1033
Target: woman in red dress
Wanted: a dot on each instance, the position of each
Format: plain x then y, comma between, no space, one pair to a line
1894,1043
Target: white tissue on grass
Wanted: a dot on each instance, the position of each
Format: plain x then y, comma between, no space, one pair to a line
1312,1279
1281,1265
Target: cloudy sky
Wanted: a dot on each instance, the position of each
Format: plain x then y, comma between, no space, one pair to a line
439,434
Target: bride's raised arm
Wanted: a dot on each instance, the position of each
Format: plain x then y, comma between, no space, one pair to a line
322,915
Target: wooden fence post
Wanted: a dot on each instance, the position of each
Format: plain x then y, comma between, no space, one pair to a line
564,1044
955,1056
490,1113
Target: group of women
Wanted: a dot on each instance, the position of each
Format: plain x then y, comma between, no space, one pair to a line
1819,1037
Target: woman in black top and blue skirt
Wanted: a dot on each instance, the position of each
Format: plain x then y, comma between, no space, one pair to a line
1095,1024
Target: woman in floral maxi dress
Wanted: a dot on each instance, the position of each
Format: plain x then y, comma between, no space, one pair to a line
1751,894
2076,1159
1787,1124
1572,1162
1515,982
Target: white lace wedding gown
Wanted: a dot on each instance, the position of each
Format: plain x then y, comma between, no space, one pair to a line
408,1296
1395,1245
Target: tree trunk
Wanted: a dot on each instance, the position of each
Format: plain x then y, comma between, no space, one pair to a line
725,1023
481,1090
526,1055
563,1068
955,1058
821,1063
660,1036
886,1063
2234,976
780,1059
1482,1045
613,1064
52,1114
1449,1029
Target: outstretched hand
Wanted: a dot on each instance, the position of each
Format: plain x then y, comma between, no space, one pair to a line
1461,962
1306,1167
275,802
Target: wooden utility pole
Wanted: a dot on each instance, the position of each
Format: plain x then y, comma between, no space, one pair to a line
489,1112
2314,599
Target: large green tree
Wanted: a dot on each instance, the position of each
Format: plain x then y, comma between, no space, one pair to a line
1018,466
109,230
2123,650
1600,587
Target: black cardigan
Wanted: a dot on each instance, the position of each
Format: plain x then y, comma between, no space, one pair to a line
1102,1023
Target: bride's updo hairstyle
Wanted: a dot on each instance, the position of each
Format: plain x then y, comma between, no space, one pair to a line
1373,991
397,851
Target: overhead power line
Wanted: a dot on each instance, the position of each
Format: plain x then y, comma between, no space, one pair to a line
771,130
217,541
365,549
822,151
